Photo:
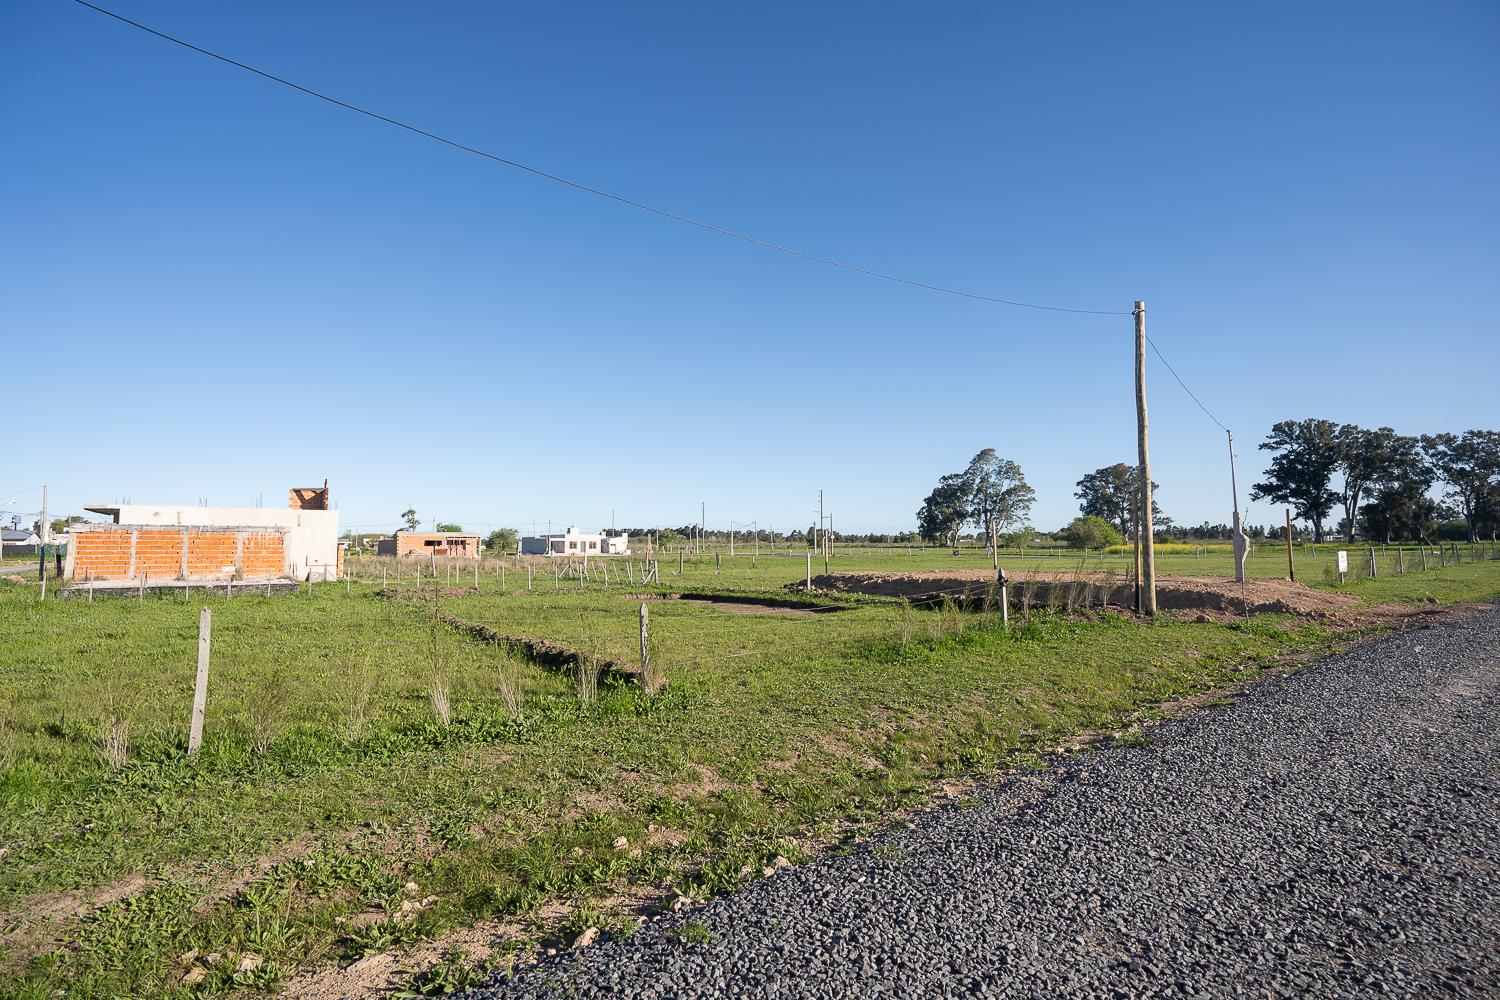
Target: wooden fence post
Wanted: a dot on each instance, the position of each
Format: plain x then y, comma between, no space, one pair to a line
1372,562
200,685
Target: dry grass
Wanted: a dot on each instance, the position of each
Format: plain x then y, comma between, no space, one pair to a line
508,681
355,689
437,696
114,738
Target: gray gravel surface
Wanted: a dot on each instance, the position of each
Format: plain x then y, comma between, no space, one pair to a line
1329,834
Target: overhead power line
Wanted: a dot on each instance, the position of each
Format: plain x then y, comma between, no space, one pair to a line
589,189
1185,389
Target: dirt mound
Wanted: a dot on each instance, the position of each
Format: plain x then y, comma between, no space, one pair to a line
1173,593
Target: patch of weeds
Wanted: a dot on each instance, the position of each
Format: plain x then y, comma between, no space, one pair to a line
692,932
157,919
266,976
452,973
381,936
966,803
888,851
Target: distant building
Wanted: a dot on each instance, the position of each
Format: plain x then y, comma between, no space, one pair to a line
448,544
576,543
19,536
300,542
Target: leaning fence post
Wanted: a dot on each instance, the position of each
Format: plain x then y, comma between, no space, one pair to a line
1004,604
200,686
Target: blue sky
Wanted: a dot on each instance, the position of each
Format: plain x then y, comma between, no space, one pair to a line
237,289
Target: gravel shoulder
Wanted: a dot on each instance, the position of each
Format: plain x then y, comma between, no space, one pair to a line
1334,833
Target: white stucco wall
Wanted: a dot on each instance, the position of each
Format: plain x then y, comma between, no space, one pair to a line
312,538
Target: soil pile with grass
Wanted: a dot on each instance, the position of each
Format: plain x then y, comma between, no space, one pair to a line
1173,593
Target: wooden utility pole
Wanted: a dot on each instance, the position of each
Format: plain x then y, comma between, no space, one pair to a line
1291,567
1148,543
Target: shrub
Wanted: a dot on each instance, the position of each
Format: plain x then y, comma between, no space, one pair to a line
1090,532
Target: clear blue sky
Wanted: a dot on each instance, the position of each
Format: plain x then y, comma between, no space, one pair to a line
236,289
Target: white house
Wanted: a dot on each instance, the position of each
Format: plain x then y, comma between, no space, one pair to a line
576,543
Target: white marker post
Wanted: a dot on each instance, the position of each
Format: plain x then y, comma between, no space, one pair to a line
1343,561
200,687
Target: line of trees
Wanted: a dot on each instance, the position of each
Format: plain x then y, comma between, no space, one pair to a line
1382,480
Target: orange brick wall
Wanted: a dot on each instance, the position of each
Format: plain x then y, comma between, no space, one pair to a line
157,554
105,554
263,554
209,552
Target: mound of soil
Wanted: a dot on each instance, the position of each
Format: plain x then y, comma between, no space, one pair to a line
1173,593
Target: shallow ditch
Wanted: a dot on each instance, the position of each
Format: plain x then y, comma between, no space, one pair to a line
744,605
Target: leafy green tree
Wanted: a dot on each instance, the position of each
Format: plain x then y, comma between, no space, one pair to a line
1305,457
998,494
991,493
1469,466
501,540
1091,532
1113,493
409,517
944,511
1399,506
450,527
1368,459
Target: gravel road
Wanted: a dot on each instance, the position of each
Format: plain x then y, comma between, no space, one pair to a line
1330,834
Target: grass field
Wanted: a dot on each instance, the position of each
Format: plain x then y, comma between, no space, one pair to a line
330,783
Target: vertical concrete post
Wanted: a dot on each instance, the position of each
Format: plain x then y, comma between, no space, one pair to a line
200,685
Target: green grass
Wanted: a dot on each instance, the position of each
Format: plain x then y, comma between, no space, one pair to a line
327,784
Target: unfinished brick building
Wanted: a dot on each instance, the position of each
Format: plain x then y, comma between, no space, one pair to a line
444,544
299,542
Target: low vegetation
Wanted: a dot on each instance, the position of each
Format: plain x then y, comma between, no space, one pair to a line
372,779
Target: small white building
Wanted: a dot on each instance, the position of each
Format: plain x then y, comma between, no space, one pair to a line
576,543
